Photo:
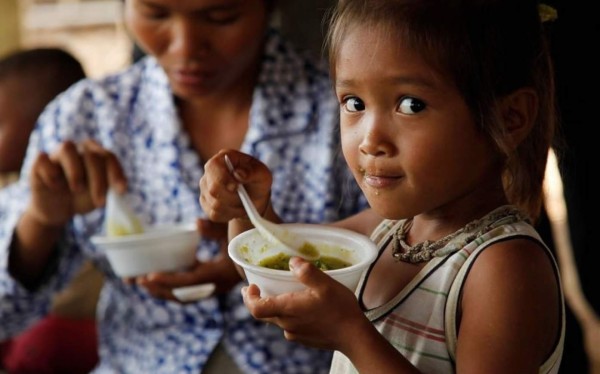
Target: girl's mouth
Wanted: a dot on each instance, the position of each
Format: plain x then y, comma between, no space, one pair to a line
378,181
378,178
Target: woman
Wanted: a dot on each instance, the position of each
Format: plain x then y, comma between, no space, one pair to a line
216,76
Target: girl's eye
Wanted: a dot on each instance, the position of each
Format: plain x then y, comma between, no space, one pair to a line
410,105
354,104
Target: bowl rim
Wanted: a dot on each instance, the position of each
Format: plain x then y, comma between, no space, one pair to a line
150,233
278,273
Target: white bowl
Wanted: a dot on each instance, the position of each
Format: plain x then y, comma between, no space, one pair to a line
160,248
249,248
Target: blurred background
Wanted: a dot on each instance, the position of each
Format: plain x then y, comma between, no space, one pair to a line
90,29
93,31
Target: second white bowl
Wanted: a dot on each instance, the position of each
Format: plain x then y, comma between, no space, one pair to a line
160,248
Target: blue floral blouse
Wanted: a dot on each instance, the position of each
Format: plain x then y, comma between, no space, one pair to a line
293,129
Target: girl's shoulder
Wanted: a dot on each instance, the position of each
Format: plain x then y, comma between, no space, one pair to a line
511,290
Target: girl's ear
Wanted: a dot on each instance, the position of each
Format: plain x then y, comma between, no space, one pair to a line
519,111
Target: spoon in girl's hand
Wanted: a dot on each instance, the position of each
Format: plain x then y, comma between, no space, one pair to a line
288,242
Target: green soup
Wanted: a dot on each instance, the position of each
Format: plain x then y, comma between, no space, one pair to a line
281,262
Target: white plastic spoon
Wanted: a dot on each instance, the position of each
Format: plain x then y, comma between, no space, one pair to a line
195,292
120,219
290,243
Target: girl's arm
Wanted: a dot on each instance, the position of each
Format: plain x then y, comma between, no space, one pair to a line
510,310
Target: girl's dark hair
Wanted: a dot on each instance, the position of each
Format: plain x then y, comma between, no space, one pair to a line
489,49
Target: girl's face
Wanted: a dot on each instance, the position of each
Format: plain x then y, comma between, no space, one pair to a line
204,46
407,133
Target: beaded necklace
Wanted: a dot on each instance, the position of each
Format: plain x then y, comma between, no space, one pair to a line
424,251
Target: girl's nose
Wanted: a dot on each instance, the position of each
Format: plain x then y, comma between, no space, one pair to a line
376,141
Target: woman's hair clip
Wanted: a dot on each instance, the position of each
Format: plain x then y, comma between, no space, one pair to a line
547,13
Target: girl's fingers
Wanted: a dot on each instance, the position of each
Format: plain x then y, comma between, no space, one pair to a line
219,203
260,307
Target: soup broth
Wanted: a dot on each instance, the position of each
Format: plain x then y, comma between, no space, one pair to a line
281,262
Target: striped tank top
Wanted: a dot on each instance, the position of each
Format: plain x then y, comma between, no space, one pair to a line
428,340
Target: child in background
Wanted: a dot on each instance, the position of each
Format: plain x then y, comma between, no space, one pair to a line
447,113
29,80
66,340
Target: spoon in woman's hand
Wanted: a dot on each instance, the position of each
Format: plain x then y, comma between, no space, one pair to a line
290,243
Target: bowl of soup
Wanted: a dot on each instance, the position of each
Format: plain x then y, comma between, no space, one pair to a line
344,256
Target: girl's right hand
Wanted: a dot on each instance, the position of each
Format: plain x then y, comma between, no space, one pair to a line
325,315
218,187
72,180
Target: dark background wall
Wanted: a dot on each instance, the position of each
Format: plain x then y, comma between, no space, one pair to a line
301,21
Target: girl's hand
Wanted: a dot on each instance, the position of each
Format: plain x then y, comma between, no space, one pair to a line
218,187
72,180
325,315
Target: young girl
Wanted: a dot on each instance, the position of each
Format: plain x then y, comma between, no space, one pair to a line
446,119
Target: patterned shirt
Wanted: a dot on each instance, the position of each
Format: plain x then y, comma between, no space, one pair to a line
293,129
420,321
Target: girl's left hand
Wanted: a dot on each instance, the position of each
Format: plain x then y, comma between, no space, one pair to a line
323,315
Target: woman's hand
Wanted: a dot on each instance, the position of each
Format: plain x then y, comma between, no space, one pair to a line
221,271
218,187
324,315
72,180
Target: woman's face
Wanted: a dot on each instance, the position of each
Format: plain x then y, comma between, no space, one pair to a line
204,46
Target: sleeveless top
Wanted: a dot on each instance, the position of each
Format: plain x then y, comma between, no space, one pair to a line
420,321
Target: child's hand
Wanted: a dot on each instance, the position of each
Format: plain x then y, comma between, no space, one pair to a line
218,187
325,315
